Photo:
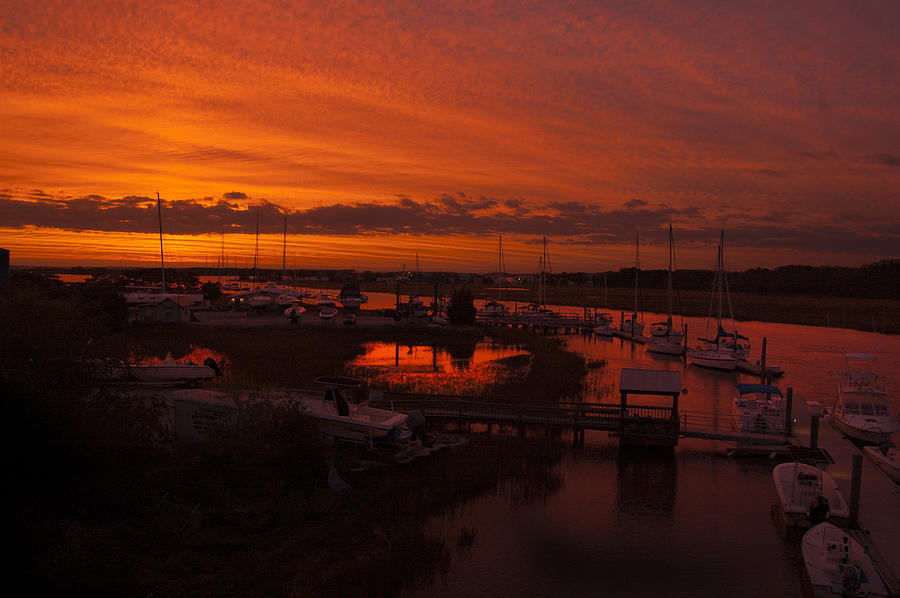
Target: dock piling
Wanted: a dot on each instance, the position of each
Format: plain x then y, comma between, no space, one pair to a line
855,485
789,405
814,431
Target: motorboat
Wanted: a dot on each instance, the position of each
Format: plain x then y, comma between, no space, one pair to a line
259,300
168,372
535,310
328,312
664,337
492,309
807,494
725,349
632,327
760,409
863,410
351,297
350,319
344,413
603,324
838,566
324,299
887,458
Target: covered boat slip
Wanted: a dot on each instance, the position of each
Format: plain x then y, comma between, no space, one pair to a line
645,424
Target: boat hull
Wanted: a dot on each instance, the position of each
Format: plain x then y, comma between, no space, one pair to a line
832,558
665,347
888,465
867,435
798,484
713,359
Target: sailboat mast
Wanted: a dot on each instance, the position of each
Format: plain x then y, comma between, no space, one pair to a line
543,268
719,276
256,255
162,262
637,266
499,264
283,249
669,281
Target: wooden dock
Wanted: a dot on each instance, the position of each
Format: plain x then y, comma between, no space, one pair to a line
879,506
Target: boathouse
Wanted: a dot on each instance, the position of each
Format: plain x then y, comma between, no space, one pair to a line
171,310
649,425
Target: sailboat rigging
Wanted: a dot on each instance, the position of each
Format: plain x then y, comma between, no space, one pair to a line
727,348
663,336
495,308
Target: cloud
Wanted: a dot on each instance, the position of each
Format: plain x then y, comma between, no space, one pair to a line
234,195
887,159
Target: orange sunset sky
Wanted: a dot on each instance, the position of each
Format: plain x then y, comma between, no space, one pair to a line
382,130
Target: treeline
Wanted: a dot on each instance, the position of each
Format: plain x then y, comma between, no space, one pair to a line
880,280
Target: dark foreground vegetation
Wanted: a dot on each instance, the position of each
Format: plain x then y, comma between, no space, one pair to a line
102,506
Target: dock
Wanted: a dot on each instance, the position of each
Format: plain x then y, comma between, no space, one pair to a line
879,501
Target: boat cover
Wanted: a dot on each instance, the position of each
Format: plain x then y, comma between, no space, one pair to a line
758,388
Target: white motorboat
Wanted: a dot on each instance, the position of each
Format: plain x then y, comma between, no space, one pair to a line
807,493
838,566
168,372
603,324
726,349
351,297
324,299
759,408
664,338
343,412
492,309
328,312
259,300
887,458
535,310
863,410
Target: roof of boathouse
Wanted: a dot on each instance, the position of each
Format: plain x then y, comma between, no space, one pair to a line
650,382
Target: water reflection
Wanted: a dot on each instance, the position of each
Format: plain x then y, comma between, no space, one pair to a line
464,368
646,482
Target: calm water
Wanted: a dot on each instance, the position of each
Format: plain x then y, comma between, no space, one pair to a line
695,523
466,369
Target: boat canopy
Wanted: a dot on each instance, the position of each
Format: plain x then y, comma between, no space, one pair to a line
722,333
758,388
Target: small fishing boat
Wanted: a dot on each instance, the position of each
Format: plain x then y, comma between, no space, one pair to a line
168,372
351,297
886,458
324,299
603,324
343,412
492,309
863,410
807,493
328,312
759,408
837,565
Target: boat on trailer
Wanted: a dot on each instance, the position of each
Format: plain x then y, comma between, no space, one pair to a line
168,372
838,566
344,413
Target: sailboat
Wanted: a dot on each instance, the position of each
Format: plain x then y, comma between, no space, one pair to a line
663,336
494,308
603,321
725,349
539,308
632,327
258,299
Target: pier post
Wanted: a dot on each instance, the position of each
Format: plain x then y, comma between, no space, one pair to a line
684,351
763,372
789,407
855,486
814,432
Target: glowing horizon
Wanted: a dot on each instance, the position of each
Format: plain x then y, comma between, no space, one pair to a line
385,130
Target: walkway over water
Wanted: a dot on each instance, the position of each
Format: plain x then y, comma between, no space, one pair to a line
662,422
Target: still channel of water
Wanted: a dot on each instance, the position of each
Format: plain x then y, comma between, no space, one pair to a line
695,523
